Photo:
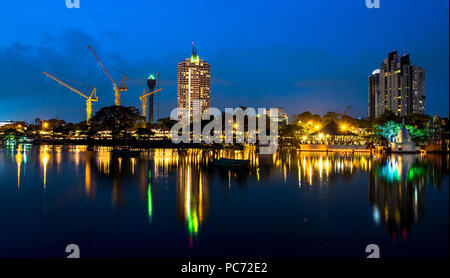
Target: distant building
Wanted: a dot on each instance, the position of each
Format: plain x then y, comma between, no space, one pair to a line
374,91
279,117
151,83
401,87
3,123
194,83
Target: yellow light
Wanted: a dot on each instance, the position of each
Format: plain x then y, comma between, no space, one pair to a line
344,127
45,124
304,137
320,135
317,127
235,125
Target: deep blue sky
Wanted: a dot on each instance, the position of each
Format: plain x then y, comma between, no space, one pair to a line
300,55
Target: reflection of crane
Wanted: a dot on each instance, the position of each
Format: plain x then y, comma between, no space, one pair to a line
143,99
89,100
117,89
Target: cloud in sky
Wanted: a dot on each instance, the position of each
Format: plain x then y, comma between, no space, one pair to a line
298,55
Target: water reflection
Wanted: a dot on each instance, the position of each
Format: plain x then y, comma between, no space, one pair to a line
19,159
396,183
397,189
45,157
192,196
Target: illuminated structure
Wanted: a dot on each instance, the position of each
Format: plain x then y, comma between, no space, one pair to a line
374,90
403,141
122,87
151,85
89,100
280,116
401,87
194,84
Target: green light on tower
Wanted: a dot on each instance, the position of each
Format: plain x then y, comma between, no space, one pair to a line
195,59
151,76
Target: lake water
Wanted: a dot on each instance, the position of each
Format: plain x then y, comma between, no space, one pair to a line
168,203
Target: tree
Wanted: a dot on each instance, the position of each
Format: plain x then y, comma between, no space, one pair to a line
304,117
418,120
418,135
387,116
390,129
166,123
330,116
117,119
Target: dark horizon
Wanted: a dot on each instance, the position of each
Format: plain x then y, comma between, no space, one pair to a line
298,56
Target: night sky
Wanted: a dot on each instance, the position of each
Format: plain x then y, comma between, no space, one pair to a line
311,55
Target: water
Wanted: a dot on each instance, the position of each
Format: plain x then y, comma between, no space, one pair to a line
169,203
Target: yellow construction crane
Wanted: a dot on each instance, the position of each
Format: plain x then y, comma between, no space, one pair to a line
143,99
89,100
117,89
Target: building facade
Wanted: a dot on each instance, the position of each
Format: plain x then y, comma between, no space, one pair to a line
400,89
194,84
374,91
280,116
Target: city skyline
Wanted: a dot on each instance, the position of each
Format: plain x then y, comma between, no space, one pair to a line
265,63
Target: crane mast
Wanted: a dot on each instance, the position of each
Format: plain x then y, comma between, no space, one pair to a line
89,100
144,99
122,87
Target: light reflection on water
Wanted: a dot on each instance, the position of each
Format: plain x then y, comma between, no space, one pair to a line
396,183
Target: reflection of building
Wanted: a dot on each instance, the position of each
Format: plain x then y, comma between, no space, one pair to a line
194,85
396,194
192,196
401,87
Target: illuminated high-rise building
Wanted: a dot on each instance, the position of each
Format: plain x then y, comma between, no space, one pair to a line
374,92
401,87
194,84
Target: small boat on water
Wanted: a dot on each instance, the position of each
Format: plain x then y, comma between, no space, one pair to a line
125,153
231,162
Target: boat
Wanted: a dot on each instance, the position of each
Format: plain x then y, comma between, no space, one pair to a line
125,153
231,162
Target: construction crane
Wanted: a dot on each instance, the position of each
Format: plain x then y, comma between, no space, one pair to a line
89,100
143,99
347,109
122,87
